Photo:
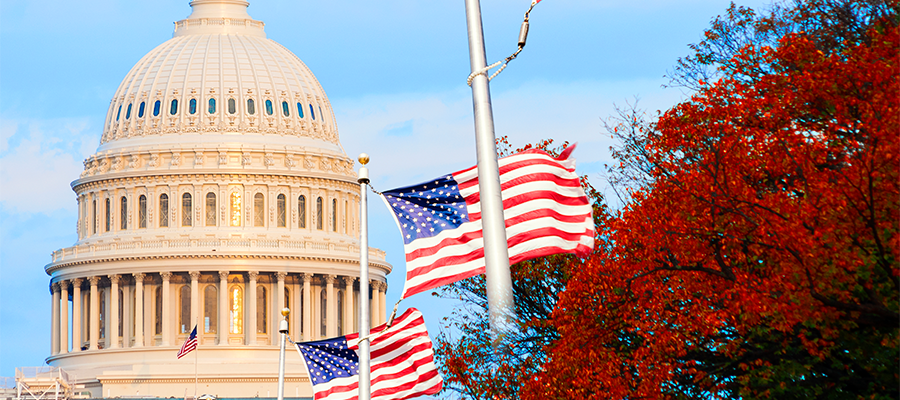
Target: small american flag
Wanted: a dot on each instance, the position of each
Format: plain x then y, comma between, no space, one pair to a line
190,344
544,205
402,362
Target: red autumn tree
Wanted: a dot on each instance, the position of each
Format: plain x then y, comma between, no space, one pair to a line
758,256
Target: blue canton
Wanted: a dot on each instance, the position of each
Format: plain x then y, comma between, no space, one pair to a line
328,359
426,209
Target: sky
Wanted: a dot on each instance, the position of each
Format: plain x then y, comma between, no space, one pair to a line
394,70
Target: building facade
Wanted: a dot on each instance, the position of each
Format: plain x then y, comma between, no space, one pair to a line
219,195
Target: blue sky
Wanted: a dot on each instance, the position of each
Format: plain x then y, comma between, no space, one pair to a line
394,71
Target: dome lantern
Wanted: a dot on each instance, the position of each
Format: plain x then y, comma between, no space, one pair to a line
219,16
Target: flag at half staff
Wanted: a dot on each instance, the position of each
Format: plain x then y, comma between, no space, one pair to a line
402,362
544,205
190,344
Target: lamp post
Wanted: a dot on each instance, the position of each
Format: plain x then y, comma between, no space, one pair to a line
283,328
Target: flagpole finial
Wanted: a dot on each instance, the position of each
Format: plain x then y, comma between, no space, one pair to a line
285,311
363,158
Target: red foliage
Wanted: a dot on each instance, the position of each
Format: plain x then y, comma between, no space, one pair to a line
761,256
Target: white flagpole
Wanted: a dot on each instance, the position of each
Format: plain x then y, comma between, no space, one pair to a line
283,329
364,378
196,356
496,253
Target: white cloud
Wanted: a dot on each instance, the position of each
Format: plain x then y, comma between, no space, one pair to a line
38,161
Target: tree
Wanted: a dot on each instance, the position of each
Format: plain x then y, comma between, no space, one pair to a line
758,253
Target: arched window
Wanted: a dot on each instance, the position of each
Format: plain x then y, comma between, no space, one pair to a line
128,112
301,211
210,209
184,314
123,214
192,106
235,209
300,110
285,109
319,217
141,110
210,309
261,309
173,109
232,106
280,206
163,210
321,114
156,106
102,313
312,113
93,216
251,107
323,303
157,315
334,225
259,210
269,109
118,113
186,209
340,312
212,106
236,297
108,214
142,211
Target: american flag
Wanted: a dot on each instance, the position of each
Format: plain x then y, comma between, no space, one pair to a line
190,344
402,362
544,205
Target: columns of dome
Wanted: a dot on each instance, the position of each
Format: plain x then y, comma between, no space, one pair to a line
139,310
166,309
63,317
76,314
279,305
331,304
348,304
113,332
307,307
382,289
94,325
54,319
373,303
223,308
195,300
250,312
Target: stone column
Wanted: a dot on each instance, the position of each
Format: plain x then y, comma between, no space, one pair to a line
54,319
112,334
139,310
76,314
250,311
348,304
223,309
63,317
166,309
94,327
382,289
195,303
279,305
331,316
307,307
373,304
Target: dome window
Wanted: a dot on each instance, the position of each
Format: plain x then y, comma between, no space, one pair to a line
163,210
141,110
312,113
118,113
232,106
251,107
174,108
142,211
321,114
156,107
212,106
300,110
259,210
285,109
269,109
192,106
301,211
282,215
128,112
186,207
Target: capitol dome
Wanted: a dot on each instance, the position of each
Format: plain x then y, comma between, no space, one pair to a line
219,195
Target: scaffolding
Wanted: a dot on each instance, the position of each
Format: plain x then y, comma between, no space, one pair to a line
44,383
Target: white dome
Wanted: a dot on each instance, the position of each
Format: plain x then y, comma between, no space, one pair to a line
217,78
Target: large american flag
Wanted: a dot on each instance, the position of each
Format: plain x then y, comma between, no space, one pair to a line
402,362
544,205
190,344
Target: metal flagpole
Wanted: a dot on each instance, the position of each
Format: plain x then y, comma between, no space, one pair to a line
364,383
496,254
283,328
196,357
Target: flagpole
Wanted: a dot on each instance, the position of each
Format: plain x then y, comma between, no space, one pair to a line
196,356
283,329
496,254
364,378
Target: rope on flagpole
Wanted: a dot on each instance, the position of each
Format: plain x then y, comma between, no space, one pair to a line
373,335
523,35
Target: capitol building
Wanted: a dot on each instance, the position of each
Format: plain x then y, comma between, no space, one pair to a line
219,194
